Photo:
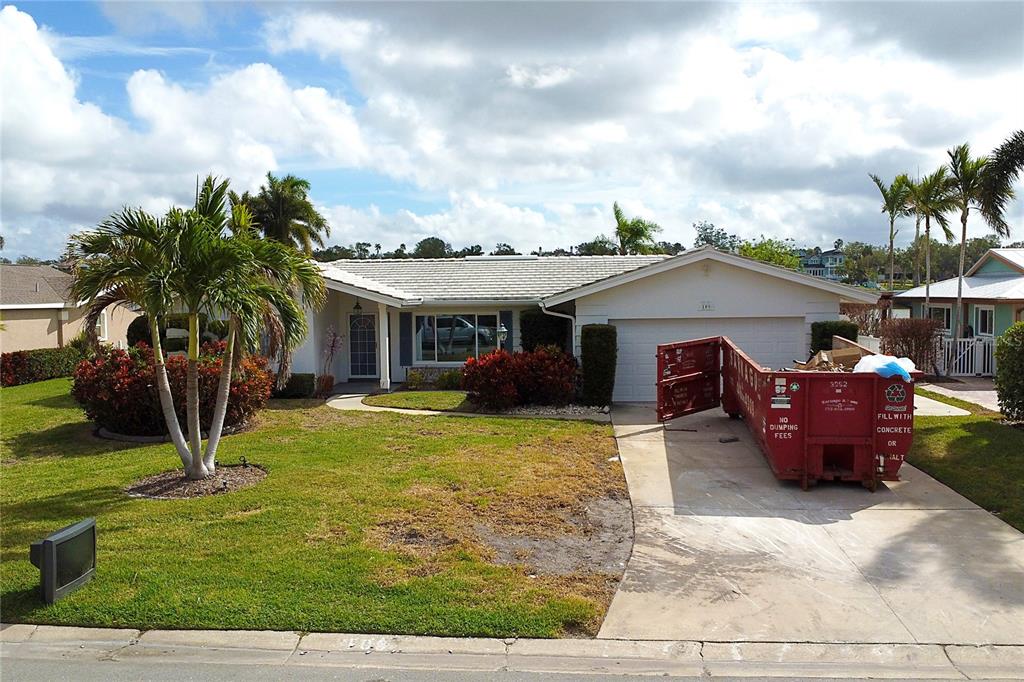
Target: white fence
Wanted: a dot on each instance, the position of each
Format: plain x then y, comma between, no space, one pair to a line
967,357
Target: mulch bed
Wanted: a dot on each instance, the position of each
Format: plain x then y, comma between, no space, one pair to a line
172,485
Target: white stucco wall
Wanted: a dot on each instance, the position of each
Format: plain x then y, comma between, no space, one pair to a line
729,291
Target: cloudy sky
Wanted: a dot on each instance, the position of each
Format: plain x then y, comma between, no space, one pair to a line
488,122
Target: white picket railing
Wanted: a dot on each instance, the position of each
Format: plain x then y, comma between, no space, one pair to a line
967,357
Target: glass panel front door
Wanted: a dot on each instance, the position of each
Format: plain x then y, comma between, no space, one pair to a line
362,346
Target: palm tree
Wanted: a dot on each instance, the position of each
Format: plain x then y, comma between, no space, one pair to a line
967,193
930,199
283,210
206,259
1005,164
128,259
894,203
634,235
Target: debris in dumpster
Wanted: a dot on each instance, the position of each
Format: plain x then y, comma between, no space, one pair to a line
886,366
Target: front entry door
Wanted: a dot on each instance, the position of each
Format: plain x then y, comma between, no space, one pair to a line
362,346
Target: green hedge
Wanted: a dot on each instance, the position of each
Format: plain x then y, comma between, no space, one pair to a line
598,351
300,385
537,328
822,333
28,366
1010,372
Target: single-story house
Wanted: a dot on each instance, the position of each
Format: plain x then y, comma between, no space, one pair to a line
993,293
394,315
37,312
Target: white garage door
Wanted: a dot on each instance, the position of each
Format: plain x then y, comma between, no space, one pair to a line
772,341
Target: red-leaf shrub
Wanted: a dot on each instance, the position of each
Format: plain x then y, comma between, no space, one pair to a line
546,376
27,366
914,338
117,389
499,380
490,380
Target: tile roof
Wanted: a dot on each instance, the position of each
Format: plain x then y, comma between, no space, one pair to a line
486,278
33,285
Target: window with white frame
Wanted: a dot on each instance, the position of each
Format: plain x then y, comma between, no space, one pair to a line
101,326
986,321
454,337
941,313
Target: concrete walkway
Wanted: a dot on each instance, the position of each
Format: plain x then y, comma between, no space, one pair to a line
354,401
978,390
723,551
927,407
292,653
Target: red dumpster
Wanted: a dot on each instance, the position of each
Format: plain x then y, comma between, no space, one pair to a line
809,425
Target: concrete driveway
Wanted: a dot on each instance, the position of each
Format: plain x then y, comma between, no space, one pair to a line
724,552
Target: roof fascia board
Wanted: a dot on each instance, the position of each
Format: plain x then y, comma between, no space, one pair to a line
708,253
374,296
35,306
447,302
992,253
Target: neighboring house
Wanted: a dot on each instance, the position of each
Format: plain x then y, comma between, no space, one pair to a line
398,314
993,295
35,311
825,264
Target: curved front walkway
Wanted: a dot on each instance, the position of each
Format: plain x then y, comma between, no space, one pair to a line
354,401
724,552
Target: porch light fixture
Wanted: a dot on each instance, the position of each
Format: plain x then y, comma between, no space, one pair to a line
358,307
502,335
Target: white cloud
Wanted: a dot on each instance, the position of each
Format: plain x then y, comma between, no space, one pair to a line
532,119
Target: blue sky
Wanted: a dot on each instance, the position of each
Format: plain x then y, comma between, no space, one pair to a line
491,122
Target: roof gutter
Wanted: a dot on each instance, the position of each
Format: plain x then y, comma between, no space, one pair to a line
567,316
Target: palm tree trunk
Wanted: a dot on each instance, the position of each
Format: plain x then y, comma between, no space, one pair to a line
917,249
960,277
220,408
197,470
927,265
892,253
166,398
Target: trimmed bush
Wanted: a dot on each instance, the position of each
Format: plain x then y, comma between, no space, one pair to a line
28,366
598,353
914,338
547,376
490,380
138,330
415,380
822,333
449,380
117,389
300,385
537,328
1010,372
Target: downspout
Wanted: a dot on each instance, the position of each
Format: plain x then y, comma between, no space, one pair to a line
567,316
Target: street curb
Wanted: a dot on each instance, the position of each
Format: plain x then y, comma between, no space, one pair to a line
582,656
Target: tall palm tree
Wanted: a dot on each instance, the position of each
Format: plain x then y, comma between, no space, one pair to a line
129,259
634,235
894,203
206,259
967,193
284,212
1005,163
930,198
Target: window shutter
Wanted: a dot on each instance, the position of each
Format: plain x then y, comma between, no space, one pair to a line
405,339
505,319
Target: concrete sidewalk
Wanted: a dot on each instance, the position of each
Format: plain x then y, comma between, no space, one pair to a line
596,657
978,390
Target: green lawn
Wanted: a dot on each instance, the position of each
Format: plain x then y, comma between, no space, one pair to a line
364,523
977,456
445,401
